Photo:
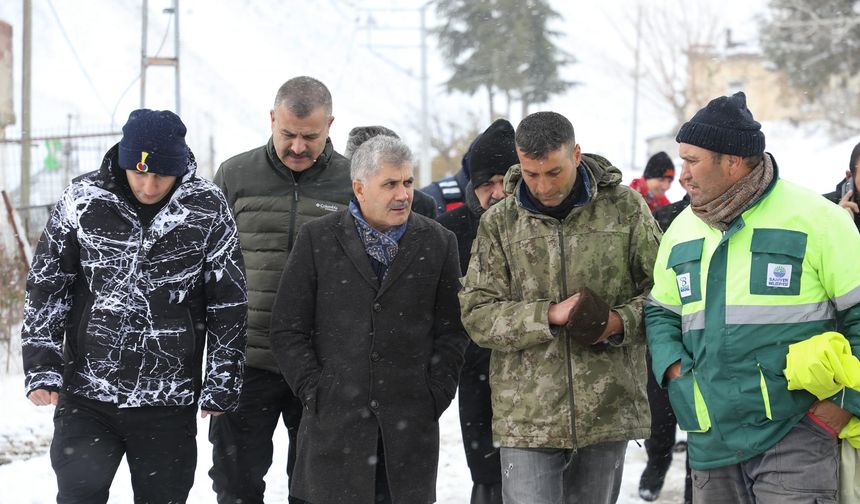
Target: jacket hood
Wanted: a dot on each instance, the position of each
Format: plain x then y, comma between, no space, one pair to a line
471,200
602,174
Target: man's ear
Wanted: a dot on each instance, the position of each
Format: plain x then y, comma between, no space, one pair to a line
577,155
737,167
358,190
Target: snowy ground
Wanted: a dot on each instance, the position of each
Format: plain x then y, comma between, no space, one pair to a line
24,427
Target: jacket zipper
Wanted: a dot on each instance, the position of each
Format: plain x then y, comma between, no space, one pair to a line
567,352
293,213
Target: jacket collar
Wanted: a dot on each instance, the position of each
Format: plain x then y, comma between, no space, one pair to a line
171,215
527,201
409,247
472,202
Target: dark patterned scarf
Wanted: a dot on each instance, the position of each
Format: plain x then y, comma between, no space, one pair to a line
380,246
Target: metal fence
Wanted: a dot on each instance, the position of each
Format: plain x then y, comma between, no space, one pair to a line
57,157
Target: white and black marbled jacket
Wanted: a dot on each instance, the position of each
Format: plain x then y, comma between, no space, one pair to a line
121,313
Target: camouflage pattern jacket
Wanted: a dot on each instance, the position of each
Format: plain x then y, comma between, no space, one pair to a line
547,390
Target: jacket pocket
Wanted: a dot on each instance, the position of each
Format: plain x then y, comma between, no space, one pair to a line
777,261
188,340
685,259
777,401
688,404
83,325
173,336
319,395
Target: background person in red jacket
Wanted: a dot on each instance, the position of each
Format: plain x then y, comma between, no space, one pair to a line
657,179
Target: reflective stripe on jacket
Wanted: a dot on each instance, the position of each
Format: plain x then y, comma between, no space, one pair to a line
727,305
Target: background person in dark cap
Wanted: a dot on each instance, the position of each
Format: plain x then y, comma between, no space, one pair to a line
138,270
490,156
657,179
422,203
744,272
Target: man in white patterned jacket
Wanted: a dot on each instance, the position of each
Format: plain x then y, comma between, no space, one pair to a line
137,272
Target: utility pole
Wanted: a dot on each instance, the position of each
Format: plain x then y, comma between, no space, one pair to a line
26,95
636,88
147,61
425,173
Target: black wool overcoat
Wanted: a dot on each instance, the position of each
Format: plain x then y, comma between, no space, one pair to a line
369,358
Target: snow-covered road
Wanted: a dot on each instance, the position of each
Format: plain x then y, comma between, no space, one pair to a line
32,481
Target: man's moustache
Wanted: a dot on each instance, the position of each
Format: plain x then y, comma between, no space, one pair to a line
290,153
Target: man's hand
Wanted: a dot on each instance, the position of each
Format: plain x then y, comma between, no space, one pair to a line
832,415
847,201
614,326
559,313
42,397
204,413
673,372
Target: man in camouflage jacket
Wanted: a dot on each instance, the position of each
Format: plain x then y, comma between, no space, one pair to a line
555,287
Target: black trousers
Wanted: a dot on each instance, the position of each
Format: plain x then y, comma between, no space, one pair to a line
476,417
663,422
242,440
91,437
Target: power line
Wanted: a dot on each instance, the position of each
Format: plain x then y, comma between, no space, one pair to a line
77,58
137,77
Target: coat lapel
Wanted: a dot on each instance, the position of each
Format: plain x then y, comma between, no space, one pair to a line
347,236
407,250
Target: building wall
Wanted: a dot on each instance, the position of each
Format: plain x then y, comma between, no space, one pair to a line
768,93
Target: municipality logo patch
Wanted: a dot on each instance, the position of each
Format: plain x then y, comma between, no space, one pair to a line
685,289
779,275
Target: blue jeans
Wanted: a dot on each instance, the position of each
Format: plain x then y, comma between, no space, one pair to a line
801,468
589,475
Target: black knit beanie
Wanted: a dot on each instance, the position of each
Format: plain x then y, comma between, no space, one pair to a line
361,134
725,126
660,165
493,152
153,141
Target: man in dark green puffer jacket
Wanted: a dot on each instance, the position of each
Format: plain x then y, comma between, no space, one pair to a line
274,189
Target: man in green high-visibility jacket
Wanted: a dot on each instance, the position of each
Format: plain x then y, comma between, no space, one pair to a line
753,265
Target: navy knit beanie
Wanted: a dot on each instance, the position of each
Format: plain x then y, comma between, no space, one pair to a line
660,165
153,141
725,126
493,152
